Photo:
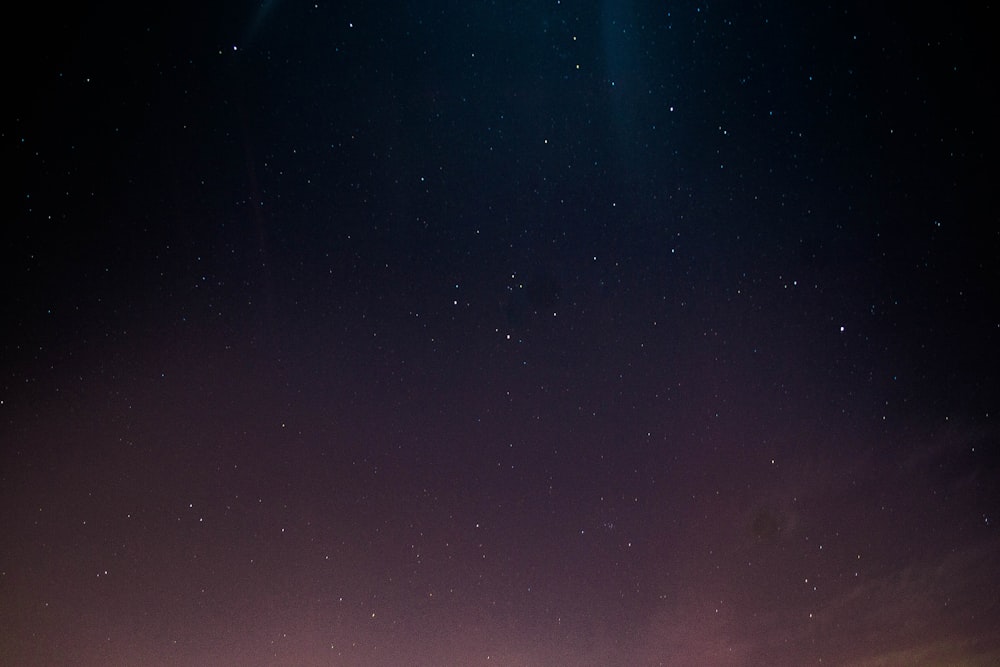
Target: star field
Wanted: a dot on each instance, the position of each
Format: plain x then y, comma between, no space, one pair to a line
468,334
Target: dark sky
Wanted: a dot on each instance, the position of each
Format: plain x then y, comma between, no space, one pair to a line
527,333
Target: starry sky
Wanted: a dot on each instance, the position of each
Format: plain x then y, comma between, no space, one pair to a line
530,333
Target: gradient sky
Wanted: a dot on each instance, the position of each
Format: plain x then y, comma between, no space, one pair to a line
473,333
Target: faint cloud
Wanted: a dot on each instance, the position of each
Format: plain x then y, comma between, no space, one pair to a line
938,654
924,614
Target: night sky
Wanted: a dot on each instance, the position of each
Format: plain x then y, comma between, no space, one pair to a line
523,333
